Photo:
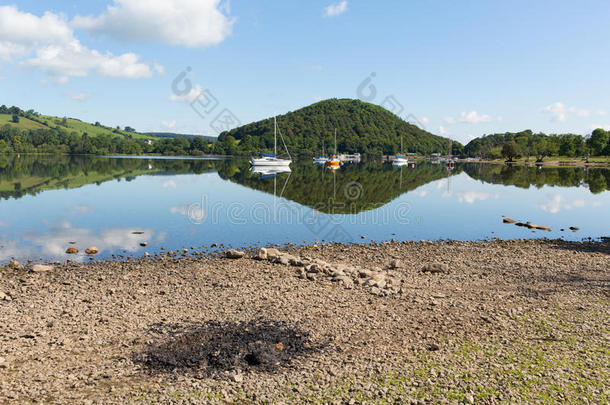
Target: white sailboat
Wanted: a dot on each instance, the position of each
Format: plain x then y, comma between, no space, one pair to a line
400,160
266,159
321,159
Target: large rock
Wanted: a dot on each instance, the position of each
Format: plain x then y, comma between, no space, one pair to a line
435,268
273,252
14,264
41,268
508,221
234,254
71,250
91,250
262,254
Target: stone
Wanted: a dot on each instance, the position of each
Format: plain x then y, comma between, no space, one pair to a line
234,254
41,268
262,254
345,280
508,221
313,268
3,362
71,250
14,264
273,252
91,250
143,244
395,264
435,268
574,228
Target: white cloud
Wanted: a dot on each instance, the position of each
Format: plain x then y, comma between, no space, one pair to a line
190,23
81,209
421,193
471,197
335,9
193,95
57,51
556,203
425,120
471,117
560,112
159,68
80,96
602,112
169,184
21,32
442,130
169,124
55,242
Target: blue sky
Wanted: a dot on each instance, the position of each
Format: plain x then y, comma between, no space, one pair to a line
461,69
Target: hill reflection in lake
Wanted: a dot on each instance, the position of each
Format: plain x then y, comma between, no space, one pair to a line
48,202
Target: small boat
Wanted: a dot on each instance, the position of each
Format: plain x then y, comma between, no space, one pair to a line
400,160
320,160
334,162
267,159
267,171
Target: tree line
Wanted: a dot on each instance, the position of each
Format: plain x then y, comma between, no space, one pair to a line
511,145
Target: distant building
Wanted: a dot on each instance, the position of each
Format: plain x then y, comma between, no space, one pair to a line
436,154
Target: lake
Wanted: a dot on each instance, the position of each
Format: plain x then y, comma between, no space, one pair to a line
116,204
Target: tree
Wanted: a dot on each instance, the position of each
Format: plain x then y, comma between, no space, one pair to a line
129,129
15,118
510,150
598,141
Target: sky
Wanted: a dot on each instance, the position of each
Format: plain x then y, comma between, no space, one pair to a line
458,69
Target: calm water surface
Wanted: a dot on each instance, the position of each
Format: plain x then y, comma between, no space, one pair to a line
116,204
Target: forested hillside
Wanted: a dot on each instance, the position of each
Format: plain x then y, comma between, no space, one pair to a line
361,127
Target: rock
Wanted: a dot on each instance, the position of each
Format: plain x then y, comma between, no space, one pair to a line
435,268
313,268
238,378
469,398
508,221
273,252
92,250
345,280
312,276
14,264
71,250
41,268
143,244
433,347
395,264
262,254
3,362
574,228
234,254
5,297
214,245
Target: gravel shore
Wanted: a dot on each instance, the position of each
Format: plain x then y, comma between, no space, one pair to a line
438,322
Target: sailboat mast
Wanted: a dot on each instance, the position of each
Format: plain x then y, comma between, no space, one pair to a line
274,136
335,141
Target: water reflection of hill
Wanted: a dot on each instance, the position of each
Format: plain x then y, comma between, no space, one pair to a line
352,189
597,179
32,174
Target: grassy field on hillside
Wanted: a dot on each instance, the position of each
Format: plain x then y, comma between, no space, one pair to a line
70,125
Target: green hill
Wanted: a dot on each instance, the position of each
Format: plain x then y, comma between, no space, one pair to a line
361,127
33,121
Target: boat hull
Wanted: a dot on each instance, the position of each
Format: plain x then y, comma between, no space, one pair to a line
270,162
